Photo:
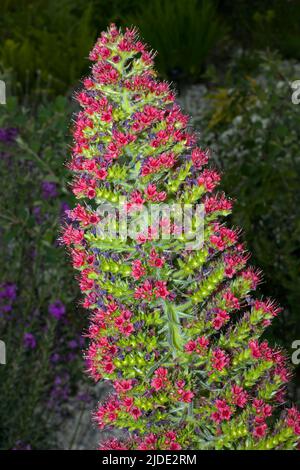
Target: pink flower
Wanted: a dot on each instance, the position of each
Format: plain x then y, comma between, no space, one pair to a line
216,417
269,307
157,383
161,372
234,262
221,318
128,402
155,260
175,446
170,436
72,236
199,157
240,396
190,346
253,276
78,258
224,412
127,329
161,290
112,444
109,367
145,291
217,204
199,345
220,359
254,347
135,412
231,301
293,420
209,179
260,431
137,269
149,442
151,191
186,396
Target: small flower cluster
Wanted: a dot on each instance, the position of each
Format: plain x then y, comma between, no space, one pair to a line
8,294
175,331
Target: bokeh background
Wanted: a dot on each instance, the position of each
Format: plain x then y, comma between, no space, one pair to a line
232,63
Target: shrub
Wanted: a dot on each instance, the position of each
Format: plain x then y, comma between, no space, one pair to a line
39,321
184,33
175,330
49,57
45,42
272,24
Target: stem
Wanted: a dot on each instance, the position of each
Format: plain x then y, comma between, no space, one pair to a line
176,339
73,438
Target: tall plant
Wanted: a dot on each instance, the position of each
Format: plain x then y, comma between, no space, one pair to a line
174,329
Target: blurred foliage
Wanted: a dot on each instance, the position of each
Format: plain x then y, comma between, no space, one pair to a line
262,24
40,379
45,43
183,32
253,127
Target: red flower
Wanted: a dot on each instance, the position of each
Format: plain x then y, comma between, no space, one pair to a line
155,260
137,269
160,289
199,345
224,412
240,396
199,157
220,359
209,179
157,383
186,396
135,412
260,431
221,318
255,349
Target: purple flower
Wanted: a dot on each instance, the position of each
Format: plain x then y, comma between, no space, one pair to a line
59,392
55,357
85,397
49,189
72,344
37,214
71,356
29,341
64,209
8,293
20,445
57,309
8,135
64,206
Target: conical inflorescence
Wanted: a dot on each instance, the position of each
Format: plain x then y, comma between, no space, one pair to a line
174,326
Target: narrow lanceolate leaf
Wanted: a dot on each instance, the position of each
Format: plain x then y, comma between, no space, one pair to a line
174,325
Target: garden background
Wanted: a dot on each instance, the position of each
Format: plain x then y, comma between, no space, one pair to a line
232,63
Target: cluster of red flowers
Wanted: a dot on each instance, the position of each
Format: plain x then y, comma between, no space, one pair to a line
156,164
199,345
223,237
223,411
175,332
149,289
